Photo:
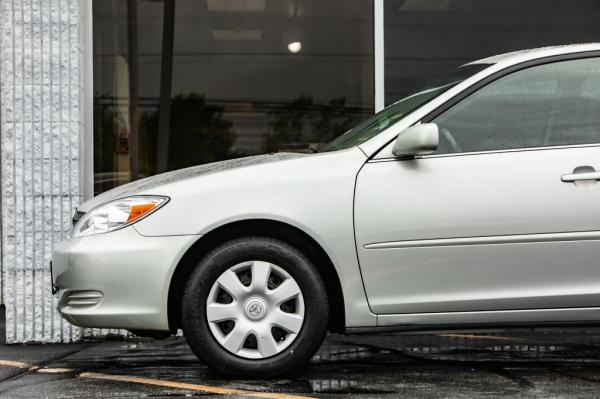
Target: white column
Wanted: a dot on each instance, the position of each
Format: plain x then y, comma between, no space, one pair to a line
41,125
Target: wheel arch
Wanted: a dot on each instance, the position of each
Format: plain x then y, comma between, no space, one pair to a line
265,228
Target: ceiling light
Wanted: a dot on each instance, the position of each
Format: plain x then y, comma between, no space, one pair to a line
237,35
425,5
295,47
236,5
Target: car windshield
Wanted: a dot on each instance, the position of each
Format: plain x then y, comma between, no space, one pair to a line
393,113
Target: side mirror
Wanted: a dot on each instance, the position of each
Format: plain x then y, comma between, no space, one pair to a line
423,138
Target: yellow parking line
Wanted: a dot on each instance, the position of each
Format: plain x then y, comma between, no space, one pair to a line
54,370
474,336
151,381
12,363
193,387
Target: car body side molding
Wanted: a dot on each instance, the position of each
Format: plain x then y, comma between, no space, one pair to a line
487,240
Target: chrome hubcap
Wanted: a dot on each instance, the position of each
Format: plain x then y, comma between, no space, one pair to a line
255,309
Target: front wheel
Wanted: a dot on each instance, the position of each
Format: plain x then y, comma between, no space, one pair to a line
253,307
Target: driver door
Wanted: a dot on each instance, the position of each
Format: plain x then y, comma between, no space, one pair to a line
491,220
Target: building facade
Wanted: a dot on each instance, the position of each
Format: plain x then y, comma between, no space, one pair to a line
97,93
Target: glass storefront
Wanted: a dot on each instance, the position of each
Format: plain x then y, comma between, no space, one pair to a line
425,40
186,82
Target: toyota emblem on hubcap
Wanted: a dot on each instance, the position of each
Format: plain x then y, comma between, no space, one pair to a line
255,309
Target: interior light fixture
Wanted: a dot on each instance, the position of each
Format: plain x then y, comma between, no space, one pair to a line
295,47
293,36
236,35
236,5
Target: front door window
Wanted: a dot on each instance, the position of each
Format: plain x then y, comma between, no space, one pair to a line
547,105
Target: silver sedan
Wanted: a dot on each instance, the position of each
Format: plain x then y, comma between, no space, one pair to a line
473,202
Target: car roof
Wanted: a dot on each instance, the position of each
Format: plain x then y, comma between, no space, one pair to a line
516,57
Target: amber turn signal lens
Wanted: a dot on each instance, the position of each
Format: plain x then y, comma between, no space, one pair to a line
138,210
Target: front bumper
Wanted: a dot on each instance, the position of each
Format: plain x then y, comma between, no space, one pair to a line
117,280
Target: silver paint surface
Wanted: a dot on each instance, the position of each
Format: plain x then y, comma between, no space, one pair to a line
149,183
355,206
311,192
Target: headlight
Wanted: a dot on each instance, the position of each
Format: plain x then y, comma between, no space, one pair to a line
117,214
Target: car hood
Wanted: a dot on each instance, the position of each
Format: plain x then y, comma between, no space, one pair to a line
149,183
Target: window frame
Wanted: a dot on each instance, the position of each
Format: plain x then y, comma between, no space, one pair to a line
86,178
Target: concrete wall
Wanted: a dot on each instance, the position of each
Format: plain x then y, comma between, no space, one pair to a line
41,123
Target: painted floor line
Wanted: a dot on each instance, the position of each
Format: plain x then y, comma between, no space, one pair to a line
54,370
194,387
151,381
474,336
13,363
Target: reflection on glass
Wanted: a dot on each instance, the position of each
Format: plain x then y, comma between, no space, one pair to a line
427,40
393,113
295,47
185,82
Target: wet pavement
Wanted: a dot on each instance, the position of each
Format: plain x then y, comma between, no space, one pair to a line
556,363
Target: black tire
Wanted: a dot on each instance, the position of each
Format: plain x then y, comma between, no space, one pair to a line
316,307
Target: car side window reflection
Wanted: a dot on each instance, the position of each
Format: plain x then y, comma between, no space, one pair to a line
546,105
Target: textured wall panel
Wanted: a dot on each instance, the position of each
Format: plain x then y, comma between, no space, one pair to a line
41,125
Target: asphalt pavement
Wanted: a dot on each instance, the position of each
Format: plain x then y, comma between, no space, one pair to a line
558,363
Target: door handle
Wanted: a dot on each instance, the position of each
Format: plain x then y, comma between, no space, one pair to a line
571,177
